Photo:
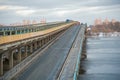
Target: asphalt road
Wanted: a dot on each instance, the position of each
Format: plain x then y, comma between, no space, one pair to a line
103,59
49,63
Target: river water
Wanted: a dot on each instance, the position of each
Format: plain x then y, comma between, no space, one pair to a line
103,59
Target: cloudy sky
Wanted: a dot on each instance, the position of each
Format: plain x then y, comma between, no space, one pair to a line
12,11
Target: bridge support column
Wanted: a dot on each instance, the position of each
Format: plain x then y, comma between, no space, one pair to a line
54,35
35,45
1,65
51,36
31,48
48,39
26,48
19,55
44,40
11,60
40,43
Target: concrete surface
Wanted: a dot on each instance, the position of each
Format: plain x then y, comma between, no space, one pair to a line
48,65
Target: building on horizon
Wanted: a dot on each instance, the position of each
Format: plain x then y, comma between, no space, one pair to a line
106,21
98,21
113,21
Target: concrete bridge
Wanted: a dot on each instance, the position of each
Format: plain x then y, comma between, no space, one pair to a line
44,52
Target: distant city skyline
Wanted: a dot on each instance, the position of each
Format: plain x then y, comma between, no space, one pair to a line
99,21
85,11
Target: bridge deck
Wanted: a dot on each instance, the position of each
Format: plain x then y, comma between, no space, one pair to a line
103,59
48,65
13,38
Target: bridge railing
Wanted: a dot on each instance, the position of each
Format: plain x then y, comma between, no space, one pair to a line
70,69
76,72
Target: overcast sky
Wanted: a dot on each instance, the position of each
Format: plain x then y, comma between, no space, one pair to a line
12,11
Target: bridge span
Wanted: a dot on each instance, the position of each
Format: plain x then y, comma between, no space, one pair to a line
56,53
38,54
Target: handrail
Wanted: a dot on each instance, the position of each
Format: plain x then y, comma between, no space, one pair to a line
78,58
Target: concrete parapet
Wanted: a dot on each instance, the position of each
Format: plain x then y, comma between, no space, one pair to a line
70,68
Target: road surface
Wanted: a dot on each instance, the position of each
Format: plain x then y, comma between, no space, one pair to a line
49,63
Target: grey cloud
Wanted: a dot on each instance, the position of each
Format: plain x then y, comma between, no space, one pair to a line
60,9
59,3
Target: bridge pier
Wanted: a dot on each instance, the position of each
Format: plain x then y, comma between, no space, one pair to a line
52,36
40,43
1,65
25,53
35,45
31,48
84,55
45,40
11,59
19,55
48,39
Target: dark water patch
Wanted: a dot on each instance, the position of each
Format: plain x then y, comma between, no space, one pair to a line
81,70
103,59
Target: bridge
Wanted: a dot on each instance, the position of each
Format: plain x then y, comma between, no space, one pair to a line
41,51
